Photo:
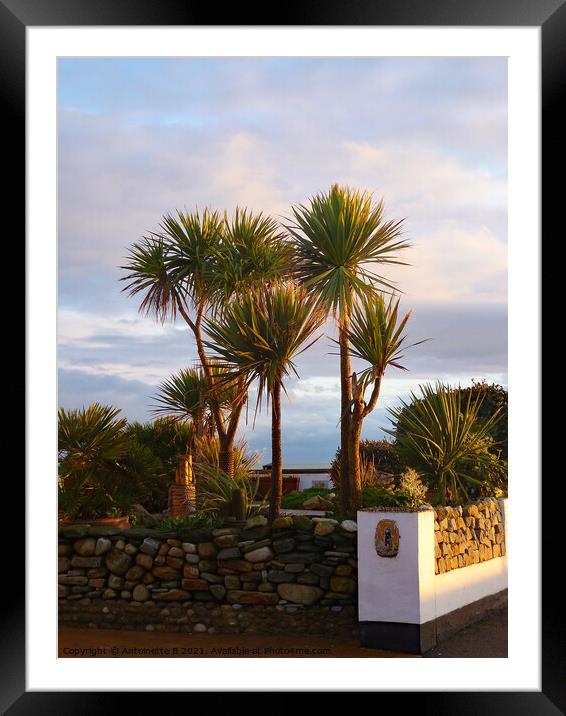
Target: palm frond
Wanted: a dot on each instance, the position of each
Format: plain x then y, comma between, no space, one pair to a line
377,334
260,333
253,250
182,395
193,240
338,238
149,274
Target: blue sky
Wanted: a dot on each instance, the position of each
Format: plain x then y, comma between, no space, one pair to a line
140,137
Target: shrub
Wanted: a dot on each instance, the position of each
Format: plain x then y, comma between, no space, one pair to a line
295,500
441,435
494,400
101,472
379,463
412,485
375,496
208,455
215,490
165,439
200,520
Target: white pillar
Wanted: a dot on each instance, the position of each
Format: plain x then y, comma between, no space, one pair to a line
402,604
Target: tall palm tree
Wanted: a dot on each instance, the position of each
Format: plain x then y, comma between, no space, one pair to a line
190,266
257,337
339,237
376,336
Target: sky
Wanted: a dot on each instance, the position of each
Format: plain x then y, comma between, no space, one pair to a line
138,138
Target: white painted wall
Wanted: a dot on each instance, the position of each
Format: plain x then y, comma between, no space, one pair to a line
388,587
405,588
306,480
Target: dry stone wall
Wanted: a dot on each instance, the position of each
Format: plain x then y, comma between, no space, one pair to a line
248,577
467,535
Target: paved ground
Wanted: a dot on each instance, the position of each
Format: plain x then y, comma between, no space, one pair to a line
118,643
487,638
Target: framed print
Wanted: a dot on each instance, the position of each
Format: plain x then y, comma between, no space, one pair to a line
268,445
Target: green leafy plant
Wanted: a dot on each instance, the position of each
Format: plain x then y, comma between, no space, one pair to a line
101,471
215,490
200,520
439,434
375,496
207,453
379,461
495,400
295,500
165,439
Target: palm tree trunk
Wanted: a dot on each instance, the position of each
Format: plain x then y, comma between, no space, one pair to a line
345,401
226,435
226,456
354,459
184,471
276,453
359,411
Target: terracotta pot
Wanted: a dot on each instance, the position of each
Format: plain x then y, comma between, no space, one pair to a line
120,522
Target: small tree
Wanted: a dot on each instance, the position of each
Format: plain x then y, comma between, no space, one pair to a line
256,338
182,397
376,335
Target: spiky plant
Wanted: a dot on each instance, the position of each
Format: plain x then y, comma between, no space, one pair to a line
101,472
183,397
253,250
257,337
439,434
340,237
377,337
207,454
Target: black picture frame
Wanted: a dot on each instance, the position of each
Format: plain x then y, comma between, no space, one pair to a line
550,15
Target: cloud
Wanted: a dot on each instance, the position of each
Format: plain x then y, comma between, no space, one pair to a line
139,138
466,343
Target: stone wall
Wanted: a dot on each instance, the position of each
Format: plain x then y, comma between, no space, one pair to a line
468,535
299,574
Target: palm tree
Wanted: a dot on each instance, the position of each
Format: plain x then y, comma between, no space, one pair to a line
183,397
194,263
256,338
101,470
338,238
442,435
376,337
